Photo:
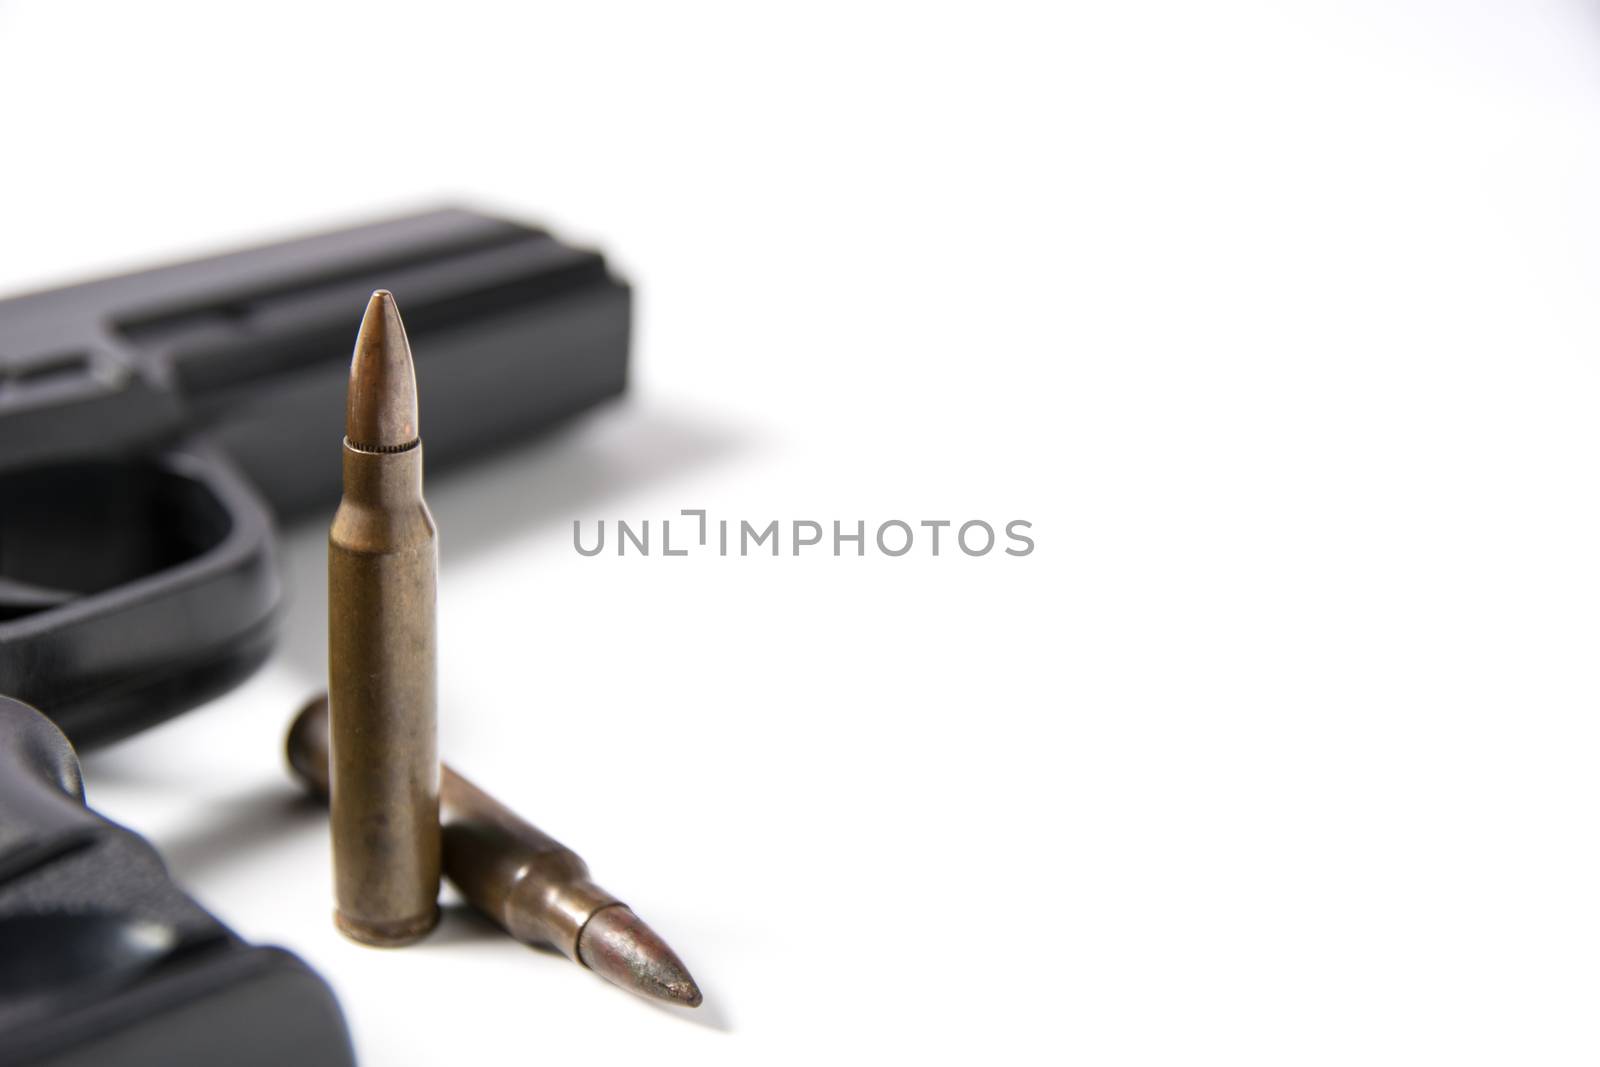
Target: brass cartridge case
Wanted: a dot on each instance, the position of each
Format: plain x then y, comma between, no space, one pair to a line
382,572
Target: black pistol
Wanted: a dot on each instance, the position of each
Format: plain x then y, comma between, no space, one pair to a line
144,449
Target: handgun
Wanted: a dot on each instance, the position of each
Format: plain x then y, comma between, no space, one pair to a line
143,456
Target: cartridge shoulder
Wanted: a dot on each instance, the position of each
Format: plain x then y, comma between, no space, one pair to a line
363,528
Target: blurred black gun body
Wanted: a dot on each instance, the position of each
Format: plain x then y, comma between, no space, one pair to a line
103,960
145,418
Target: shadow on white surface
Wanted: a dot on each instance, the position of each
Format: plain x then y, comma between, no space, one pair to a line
238,825
554,479
710,1014
461,924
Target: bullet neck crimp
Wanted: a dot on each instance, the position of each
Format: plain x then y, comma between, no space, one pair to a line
382,450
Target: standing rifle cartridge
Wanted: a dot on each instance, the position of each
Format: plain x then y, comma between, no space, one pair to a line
382,571
531,885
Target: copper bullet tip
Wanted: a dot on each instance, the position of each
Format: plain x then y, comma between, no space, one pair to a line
381,406
618,946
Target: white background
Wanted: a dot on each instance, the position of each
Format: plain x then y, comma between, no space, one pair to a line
1277,320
